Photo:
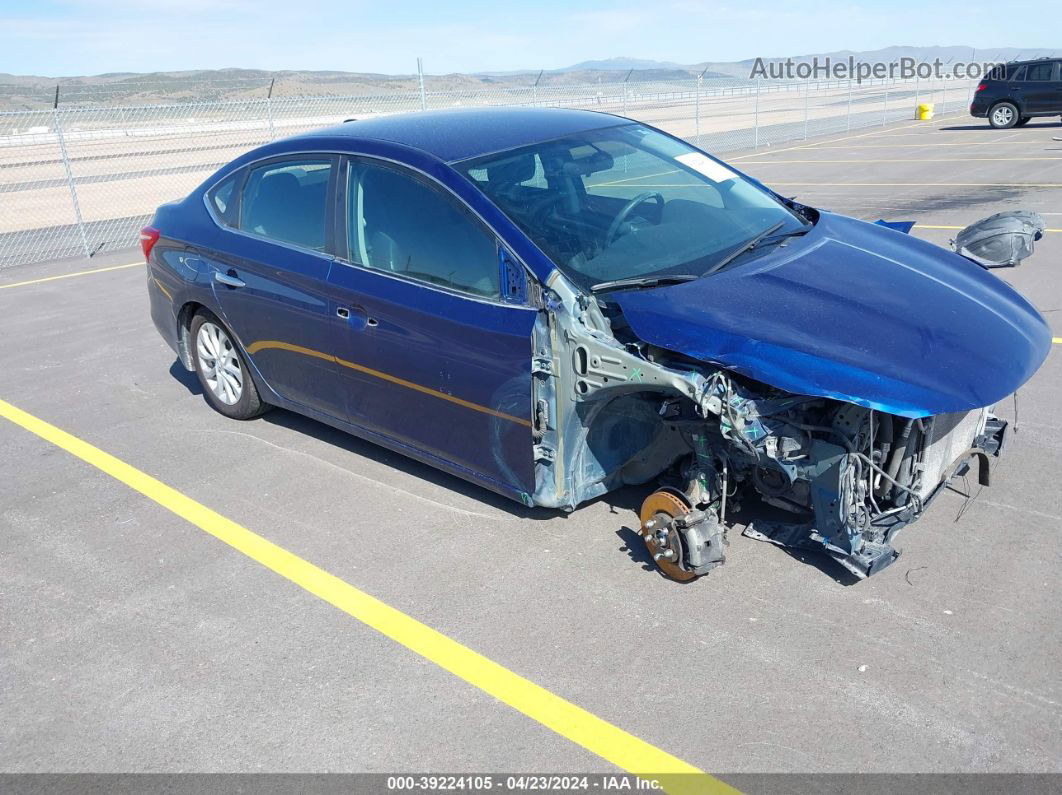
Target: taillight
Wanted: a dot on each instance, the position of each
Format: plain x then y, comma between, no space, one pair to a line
981,87
149,236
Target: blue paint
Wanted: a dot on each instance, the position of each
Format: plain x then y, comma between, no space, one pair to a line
899,226
452,135
851,311
858,313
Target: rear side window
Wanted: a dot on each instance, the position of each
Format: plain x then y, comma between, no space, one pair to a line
1020,74
288,202
401,224
1040,71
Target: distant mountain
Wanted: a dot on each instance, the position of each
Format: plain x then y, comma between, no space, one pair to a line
947,54
28,92
617,64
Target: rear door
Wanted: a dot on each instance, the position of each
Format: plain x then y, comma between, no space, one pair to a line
430,353
271,275
1039,87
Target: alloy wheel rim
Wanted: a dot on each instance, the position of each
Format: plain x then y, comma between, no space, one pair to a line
219,363
1003,115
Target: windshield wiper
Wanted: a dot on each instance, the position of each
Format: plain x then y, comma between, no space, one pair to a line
749,245
642,281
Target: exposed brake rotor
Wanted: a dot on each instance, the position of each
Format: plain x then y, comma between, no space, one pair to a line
664,542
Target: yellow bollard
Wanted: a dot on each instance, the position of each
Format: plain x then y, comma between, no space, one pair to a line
925,111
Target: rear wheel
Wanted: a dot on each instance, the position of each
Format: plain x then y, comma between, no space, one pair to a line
1003,116
222,370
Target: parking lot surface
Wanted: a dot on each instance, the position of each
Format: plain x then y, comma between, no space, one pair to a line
134,641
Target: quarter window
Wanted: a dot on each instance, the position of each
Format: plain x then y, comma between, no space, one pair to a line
288,202
400,224
1040,71
221,199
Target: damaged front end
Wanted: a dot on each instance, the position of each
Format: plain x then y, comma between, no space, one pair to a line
800,471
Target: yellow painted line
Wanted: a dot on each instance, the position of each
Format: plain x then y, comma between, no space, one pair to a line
831,141
555,713
70,275
1057,340
632,179
923,146
262,345
916,160
922,184
934,226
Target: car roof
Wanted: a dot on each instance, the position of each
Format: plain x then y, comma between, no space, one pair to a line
1044,59
453,135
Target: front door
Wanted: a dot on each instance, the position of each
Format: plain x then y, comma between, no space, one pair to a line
430,355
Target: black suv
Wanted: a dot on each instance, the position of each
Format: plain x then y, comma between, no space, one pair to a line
1013,93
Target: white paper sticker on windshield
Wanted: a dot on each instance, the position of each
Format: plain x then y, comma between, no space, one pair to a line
705,165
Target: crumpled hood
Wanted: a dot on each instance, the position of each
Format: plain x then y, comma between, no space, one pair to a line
856,312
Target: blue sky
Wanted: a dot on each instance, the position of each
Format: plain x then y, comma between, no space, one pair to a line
73,37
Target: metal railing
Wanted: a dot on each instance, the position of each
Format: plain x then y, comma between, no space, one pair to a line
83,180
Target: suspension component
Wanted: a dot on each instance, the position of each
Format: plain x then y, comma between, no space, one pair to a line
685,543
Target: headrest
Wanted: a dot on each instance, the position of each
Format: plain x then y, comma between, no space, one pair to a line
278,185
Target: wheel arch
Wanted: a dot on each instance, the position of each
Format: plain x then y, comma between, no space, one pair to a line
184,328
1008,101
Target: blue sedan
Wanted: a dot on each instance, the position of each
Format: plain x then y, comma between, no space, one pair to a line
554,304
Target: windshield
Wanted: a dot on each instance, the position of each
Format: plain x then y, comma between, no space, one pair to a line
626,202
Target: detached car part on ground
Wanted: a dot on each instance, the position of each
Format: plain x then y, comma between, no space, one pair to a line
647,315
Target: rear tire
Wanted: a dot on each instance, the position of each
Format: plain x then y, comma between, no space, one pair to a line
222,369
1003,115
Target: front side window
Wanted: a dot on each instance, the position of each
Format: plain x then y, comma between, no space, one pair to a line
627,202
288,202
401,224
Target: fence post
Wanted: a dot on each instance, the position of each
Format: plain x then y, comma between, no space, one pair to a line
885,112
70,176
756,119
944,99
848,117
697,109
269,110
420,72
807,90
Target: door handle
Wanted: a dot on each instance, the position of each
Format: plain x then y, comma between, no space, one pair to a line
357,317
228,279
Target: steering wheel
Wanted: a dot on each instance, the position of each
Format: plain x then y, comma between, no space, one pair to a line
628,208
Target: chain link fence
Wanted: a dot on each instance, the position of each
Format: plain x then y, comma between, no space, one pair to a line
76,181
